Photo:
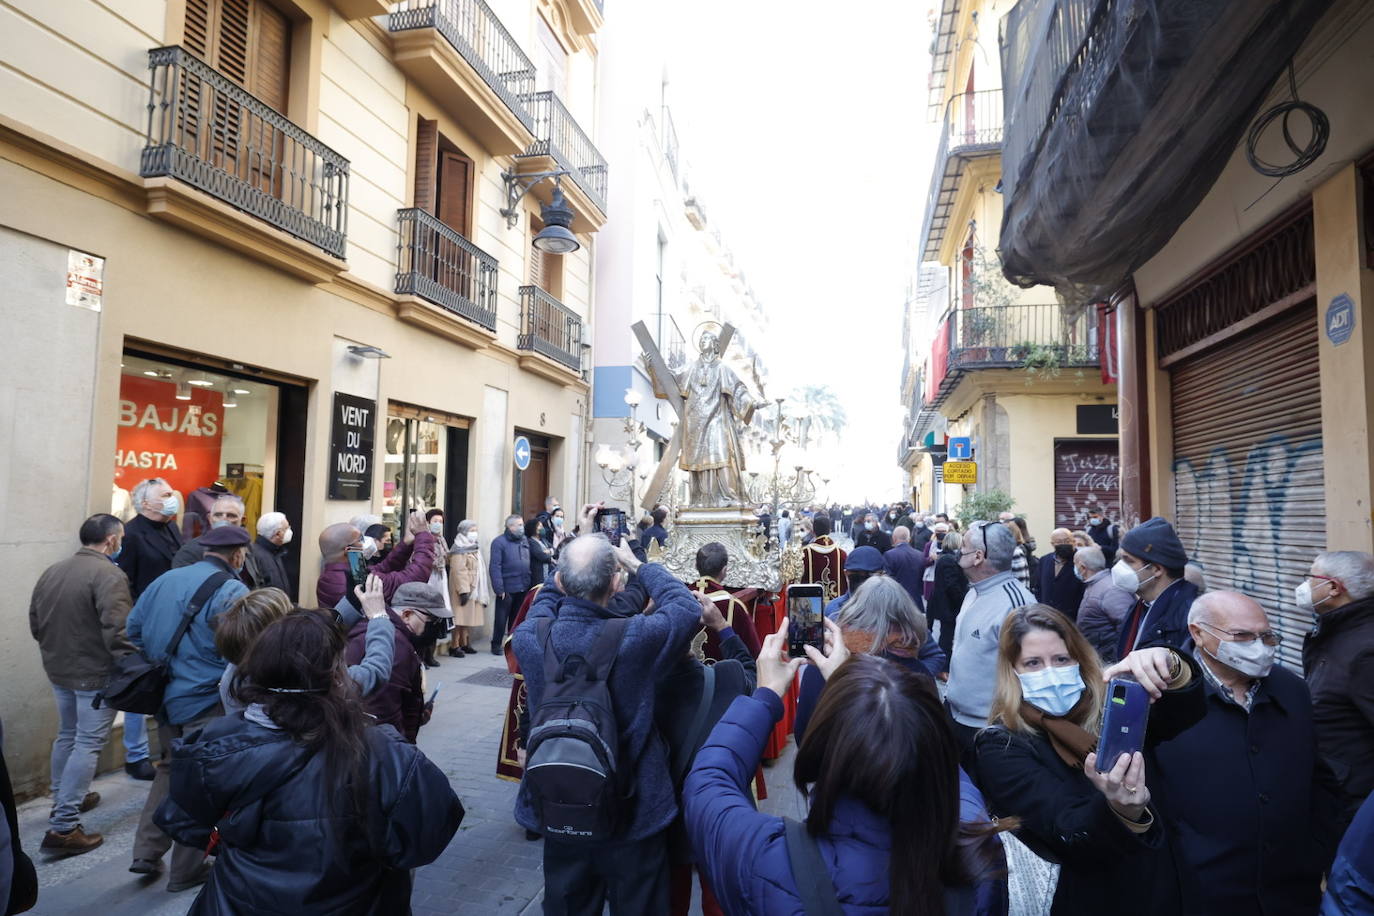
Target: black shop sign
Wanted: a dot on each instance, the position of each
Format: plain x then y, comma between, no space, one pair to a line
1097,420
350,447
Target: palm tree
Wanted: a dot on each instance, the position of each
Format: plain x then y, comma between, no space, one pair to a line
816,411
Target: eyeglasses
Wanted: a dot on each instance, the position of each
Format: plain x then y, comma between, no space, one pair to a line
1268,637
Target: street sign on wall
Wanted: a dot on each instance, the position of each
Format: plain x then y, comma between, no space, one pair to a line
522,453
960,448
961,472
1098,420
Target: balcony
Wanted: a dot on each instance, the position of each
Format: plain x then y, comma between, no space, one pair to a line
669,339
438,265
972,130
208,132
1120,117
560,143
1036,338
462,55
551,329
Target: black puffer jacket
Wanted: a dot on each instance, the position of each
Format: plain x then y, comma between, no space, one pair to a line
281,851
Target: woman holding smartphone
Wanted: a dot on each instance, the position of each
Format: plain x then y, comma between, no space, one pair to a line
880,767
1037,762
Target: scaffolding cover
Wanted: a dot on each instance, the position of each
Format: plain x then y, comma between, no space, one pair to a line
1120,115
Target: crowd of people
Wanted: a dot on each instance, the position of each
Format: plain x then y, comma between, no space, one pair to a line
947,727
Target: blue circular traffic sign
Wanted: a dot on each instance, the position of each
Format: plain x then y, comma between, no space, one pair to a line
522,452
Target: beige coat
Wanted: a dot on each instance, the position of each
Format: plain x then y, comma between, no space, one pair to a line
467,576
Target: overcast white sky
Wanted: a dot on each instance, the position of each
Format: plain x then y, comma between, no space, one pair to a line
804,126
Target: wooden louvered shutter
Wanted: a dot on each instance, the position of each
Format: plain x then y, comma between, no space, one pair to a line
536,257
198,29
270,55
426,164
455,176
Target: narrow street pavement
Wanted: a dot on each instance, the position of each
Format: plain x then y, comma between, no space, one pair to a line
489,868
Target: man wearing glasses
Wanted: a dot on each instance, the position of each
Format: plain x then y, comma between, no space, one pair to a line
1338,660
1250,808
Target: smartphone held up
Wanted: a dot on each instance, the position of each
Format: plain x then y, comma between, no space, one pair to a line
1124,715
805,619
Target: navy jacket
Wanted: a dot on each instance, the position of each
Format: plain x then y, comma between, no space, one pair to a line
510,565
1350,887
906,564
148,551
1250,809
656,532
652,645
1063,592
286,845
744,853
1164,623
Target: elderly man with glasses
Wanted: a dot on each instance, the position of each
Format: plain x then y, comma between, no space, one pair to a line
1250,807
1338,660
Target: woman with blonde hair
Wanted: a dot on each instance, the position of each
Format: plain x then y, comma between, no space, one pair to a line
1037,762
469,590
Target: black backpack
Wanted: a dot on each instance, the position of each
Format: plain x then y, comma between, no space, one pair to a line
573,747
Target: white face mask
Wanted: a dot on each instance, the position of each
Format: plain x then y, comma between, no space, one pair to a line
286,538
369,548
1124,577
1303,595
1253,658
1055,690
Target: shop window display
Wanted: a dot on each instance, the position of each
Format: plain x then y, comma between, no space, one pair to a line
204,432
425,466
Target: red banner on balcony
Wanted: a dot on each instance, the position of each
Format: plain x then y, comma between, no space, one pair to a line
1106,347
939,360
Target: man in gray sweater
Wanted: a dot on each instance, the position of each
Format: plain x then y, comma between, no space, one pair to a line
986,560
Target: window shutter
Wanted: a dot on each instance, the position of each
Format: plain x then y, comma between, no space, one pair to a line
536,257
231,51
426,165
455,177
271,55
197,31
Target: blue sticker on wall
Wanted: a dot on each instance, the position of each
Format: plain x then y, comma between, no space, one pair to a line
1340,320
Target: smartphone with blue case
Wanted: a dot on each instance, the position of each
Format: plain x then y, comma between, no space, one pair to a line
1124,714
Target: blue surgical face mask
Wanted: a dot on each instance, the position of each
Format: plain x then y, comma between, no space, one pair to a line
220,523
1078,574
1053,690
170,506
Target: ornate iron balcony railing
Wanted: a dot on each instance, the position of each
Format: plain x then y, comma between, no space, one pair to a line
1012,336
434,262
549,327
478,36
208,131
671,342
557,135
972,128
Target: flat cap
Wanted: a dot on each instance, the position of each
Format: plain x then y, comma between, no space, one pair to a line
225,536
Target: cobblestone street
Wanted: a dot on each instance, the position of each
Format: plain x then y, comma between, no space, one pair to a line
489,868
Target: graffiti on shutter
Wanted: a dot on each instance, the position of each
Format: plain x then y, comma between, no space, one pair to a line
1248,471
1087,475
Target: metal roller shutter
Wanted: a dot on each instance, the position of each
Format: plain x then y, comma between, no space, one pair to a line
1087,476
1248,480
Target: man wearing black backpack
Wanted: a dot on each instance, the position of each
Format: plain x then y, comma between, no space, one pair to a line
597,783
